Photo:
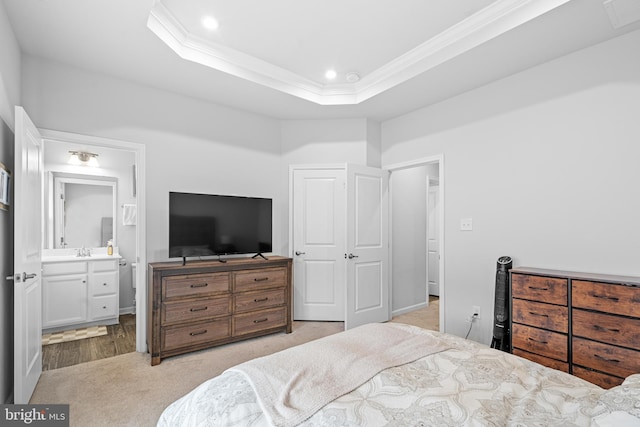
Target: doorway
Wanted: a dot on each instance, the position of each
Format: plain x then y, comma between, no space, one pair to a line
417,250
124,160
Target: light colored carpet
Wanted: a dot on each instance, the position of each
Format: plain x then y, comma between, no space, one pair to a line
127,391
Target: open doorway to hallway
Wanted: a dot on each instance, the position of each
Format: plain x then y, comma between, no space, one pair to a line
417,238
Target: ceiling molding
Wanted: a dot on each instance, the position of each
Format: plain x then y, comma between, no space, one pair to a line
490,22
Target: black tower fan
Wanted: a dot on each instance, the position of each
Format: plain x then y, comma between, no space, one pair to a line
501,332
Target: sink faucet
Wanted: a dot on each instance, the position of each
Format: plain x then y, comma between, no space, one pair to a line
83,252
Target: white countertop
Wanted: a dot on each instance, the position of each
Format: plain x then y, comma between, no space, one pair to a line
66,255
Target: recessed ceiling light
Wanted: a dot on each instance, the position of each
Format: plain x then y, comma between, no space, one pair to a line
210,23
331,74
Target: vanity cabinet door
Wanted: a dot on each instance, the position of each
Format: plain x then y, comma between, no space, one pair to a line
64,300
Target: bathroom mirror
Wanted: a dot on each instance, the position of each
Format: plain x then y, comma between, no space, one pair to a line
82,210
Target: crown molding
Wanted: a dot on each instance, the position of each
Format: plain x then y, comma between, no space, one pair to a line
481,27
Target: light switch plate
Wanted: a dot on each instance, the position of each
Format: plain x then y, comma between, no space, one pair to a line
466,224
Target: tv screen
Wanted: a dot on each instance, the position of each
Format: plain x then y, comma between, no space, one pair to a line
208,224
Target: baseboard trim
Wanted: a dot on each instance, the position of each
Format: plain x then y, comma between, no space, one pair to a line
127,310
408,309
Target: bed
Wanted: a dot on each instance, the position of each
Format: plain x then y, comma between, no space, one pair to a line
400,375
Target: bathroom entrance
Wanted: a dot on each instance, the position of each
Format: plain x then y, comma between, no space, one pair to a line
91,249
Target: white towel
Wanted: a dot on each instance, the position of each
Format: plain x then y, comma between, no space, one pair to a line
128,214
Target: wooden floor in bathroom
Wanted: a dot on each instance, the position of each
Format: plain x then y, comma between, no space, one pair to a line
120,339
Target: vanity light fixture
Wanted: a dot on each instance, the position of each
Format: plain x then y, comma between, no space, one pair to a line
82,158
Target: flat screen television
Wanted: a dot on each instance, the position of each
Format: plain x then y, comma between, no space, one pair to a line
211,224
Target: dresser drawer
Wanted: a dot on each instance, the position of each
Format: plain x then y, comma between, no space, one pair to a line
609,359
104,283
539,341
259,279
103,307
258,300
194,285
182,311
605,297
545,361
551,290
258,321
183,336
108,265
547,316
597,378
55,268
606,328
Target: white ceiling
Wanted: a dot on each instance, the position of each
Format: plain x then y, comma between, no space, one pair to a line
269,57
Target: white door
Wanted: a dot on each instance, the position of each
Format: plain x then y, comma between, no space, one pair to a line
27,258
433,243
319,244
367,246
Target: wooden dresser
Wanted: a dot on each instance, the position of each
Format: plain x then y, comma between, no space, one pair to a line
581,323
208,303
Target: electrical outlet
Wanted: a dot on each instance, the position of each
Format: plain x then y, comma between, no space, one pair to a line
475,313
475,310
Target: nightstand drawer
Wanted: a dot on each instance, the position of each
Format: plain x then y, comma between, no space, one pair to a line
609,359
606,328
546,316
545,361
186,311
259,300
258,321
605,297
259,279
193,285
182,336
597,378
552,290
539,341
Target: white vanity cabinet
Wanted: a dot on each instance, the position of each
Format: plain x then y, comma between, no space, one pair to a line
79,293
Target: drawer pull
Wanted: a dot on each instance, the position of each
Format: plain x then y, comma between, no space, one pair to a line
200,285
536,288
104,284
193,334
537,314
606,297
603,329
261,320
261,299
539,342
260,279
198,309
606,359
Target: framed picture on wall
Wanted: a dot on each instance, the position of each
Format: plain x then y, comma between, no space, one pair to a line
5,187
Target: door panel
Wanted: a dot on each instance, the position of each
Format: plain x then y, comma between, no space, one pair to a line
318,244
367,246
27,258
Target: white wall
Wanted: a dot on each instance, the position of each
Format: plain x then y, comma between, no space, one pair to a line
546,164
9,97
191,145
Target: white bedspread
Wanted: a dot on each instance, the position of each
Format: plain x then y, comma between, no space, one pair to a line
294,384
467,385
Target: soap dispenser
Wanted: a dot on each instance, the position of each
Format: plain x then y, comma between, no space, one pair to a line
109,247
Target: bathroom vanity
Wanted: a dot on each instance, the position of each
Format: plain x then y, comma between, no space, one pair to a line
79,291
